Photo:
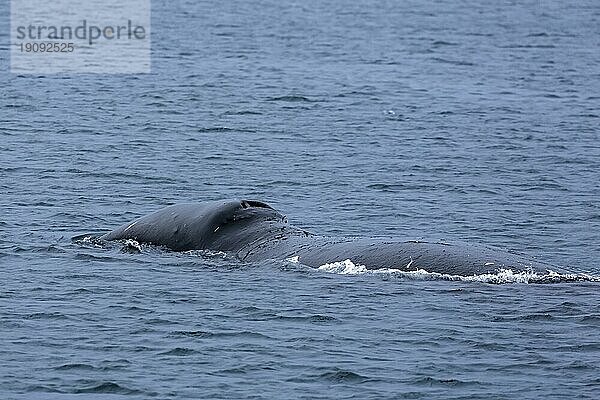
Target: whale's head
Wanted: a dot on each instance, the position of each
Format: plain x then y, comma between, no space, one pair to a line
218,225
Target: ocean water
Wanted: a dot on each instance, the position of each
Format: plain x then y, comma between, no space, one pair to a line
465,120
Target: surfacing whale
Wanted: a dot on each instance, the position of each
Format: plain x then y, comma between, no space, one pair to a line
253,230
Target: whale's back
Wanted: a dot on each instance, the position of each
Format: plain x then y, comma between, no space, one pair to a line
197,226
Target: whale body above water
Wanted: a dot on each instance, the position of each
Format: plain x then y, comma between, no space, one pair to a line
253,231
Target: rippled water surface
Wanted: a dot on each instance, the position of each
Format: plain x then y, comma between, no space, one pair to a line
464,121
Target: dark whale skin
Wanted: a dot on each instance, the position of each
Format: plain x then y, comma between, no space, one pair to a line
254,231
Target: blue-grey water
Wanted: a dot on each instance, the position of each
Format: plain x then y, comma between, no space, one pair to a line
464,120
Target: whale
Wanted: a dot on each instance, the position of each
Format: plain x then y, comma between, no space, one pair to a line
252,231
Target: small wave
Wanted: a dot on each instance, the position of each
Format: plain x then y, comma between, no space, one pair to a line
108,388
92,257
210,129
525,317
178,351
347,267
444,43
242,112
233,334
104,366
197,334
334,375
75,366
431,381
290,98
243,334
315,319
343,376
48,249
591,319
46,315
453,62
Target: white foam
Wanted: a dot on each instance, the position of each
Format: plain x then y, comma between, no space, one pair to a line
347,267
344,267
89,240
131,246
208,253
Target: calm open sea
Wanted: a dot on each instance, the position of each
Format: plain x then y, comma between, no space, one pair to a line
463,120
